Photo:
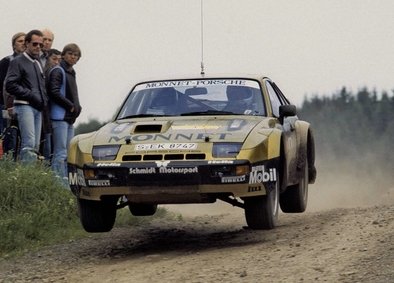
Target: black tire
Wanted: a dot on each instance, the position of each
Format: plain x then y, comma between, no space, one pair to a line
261,212
142,209
97,216
295,198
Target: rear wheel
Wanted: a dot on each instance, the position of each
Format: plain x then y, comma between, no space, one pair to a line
261,212
142,209
97,216
295,198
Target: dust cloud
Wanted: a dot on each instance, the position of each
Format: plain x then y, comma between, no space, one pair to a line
349,184
339,184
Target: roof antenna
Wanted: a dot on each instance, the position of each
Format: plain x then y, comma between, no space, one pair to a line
202,39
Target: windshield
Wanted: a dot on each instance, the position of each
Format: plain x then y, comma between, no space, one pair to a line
194,97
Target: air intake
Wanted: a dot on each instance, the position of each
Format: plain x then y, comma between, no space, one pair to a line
148,128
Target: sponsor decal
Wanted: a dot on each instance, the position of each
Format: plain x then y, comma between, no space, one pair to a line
162,163
163,169
220,161
120,128
196,83
260,175
167,137
254,189
175,170
99,183
165,146
150,170
236,124
233,179
76,178
112,164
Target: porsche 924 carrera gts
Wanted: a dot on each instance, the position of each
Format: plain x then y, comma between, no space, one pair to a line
196,140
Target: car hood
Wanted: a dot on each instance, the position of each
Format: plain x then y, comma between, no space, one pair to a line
181,129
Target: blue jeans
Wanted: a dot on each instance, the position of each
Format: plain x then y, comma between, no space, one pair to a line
29,121
47,146
62,133
2,120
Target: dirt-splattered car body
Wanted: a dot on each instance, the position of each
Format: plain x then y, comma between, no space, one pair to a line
195,140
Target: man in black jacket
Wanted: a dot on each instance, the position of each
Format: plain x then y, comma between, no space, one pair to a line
18,46
25,81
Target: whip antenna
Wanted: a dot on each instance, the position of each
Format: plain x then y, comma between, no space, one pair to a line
202,38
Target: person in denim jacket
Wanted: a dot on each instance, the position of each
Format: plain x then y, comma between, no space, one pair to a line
64,107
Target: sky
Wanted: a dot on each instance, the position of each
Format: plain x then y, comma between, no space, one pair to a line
308,47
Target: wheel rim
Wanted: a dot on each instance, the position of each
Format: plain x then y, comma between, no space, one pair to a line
304,183
274,196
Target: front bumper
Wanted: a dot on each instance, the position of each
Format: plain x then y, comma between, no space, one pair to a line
171,181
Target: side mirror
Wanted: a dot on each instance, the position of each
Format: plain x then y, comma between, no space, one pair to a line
286,111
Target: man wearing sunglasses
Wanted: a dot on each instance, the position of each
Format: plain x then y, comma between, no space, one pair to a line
25,81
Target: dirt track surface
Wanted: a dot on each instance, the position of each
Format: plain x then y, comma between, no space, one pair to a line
337,245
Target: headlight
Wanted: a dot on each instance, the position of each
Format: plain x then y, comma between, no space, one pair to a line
105,152
226,150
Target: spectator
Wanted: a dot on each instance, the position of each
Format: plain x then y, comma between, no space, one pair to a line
48,38
64,107
18,46
53,59
45,140
25,81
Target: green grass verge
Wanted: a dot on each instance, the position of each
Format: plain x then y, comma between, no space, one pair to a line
36,211
34,208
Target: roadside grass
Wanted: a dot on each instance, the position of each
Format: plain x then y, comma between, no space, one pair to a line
34,208
36,211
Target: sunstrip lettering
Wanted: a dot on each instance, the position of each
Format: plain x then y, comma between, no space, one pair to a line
259,175
163,137
191,83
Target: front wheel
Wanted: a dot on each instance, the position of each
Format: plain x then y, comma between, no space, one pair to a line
261,212
97,216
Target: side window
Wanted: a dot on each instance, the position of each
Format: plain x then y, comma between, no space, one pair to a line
282,97
275,101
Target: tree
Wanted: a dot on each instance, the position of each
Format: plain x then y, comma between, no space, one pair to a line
91,126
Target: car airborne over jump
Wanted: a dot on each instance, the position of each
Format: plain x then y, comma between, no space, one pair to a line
195,140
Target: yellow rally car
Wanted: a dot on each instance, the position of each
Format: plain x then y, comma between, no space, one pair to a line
195,140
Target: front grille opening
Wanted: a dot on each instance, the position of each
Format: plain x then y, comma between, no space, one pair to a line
132,158
153,157
148,129
173,157
199,156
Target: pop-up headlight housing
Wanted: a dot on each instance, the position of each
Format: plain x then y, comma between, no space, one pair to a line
105,152
226,150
